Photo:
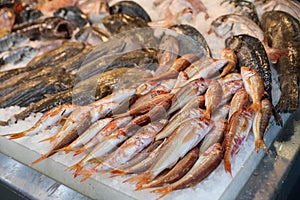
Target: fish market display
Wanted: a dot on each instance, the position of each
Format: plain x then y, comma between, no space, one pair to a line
145,98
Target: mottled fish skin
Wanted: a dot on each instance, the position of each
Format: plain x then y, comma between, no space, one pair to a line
130,8
254,86
215,135
204,166
251,53
196,45
245,8
283,31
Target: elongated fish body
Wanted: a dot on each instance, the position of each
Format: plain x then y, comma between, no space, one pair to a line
178,120
76,124
204,166
213,97
251,53
107,130
283,31
229,55
88,135
178,171
49,119
239,126
254,86
127,150
215,135
182,140
239,101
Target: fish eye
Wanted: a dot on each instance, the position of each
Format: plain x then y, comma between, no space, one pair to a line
223,19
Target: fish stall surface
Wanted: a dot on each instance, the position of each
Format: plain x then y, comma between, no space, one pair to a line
165,99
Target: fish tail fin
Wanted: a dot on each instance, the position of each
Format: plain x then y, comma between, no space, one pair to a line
118,172
256,106
75,167
43,157
50,139
260,143
66,149
274,54
207,114
140,179
13,136
164,191
87,174
227,163
79,150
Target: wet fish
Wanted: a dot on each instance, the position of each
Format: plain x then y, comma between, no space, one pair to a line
181,141
88,135
50,118
233,24
178,171
191,41
7,20
178,119
251,53
245,8
215,135
143,165
287,31
128,149
229,55
239,126
204,166
91,35
287,6
254,86
75,125
22,54
213,97
239,101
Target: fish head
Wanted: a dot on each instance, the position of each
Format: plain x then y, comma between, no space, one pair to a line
221,26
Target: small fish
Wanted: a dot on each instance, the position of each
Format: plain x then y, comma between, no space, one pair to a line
144,164
256,127
210,70
107,130
147,97
229,89
221,113
50,118
75,125
88,135
207,162
230,77
238,129
178,119
183,95
178,171
215,135
179,65
213,97
126,151
182,140
254,86
229,55
145,107
239,101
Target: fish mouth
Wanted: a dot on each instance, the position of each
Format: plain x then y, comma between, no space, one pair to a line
63,30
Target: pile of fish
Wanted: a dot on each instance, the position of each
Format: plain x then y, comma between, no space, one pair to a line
158,106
